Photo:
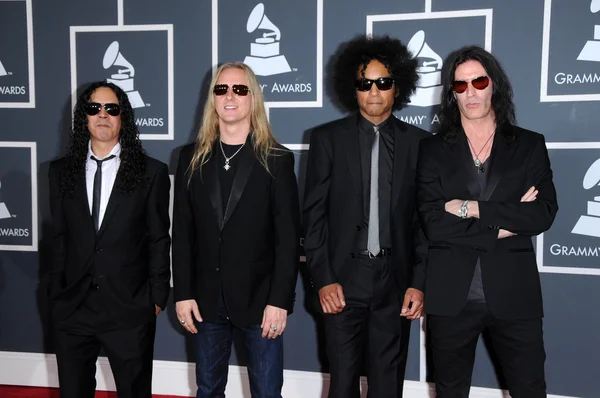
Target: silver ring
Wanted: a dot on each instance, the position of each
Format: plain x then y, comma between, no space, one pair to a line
274,328
182,321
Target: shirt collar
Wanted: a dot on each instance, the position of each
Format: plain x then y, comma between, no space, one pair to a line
368,126
115,151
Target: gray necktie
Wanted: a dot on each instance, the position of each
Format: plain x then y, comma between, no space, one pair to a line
373,236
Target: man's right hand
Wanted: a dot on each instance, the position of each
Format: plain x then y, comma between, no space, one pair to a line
185,309
332,298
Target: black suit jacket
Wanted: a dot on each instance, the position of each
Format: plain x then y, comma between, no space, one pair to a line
509,271
333,204
250,249
129,255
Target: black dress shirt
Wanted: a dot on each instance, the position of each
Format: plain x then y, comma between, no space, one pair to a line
226,176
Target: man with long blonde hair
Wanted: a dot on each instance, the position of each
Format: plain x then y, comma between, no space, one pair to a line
236,236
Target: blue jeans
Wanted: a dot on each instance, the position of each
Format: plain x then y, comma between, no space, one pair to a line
213,348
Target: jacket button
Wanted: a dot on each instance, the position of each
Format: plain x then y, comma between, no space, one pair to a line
358,227
218,269
98,250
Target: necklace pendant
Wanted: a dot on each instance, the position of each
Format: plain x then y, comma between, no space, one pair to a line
477,162
227,166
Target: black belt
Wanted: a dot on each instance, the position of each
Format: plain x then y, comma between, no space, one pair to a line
383,253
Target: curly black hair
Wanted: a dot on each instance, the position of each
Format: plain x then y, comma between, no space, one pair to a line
502,94
356,54
133,156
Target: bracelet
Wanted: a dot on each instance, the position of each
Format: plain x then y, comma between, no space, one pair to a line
463,211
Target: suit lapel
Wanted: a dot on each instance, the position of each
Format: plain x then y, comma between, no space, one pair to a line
351,149
80,197
502,152
469,169
458,152
211,179
116,197
400,159
246,163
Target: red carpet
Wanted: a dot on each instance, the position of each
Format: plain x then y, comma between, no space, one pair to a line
42,392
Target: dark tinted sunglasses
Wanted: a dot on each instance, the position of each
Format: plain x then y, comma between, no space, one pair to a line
94,108
239,89
383,83
480,83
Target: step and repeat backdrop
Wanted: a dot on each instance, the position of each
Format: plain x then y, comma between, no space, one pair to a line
163,55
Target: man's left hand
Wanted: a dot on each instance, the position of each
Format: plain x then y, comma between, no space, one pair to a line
414,296
273,322
156,309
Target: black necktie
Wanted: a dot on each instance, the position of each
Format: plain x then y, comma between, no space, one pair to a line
98,191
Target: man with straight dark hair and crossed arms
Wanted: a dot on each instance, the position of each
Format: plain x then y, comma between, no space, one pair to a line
484,188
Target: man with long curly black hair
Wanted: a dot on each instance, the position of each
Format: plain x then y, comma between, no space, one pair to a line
364,246
484,188
110,272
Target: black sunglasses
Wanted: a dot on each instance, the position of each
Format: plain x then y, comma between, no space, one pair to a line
94,108
480,83
239,89
382,83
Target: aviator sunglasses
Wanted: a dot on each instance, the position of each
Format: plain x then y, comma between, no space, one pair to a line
382,83
94,108
239,89
480,83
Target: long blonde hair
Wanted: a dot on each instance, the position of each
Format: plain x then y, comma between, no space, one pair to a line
263,140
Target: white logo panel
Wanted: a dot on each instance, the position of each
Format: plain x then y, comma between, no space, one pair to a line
17,79
18,196
572,244
118,55
424,36
570,57
286,56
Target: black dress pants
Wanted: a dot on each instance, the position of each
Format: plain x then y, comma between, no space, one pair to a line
518,344
369,331
129,351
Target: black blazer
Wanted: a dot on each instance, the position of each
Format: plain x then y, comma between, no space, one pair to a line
509,271
129,255
333,204
250,250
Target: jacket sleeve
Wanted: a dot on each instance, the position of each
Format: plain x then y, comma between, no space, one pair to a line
159,241
59,232
316,202
286,218
439,225
527,218
184,234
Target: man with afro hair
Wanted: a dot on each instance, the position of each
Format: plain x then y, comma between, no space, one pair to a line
365,248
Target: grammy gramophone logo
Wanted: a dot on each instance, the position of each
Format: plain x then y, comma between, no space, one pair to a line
265,58
124,76
589,224
4,213
591,49
3,71
429,87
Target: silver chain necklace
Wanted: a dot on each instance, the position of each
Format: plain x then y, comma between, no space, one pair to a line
227,159
477,161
